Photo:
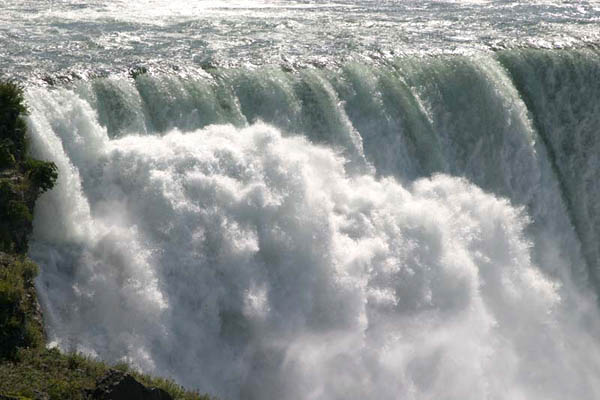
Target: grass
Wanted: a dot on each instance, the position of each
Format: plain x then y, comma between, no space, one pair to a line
69,376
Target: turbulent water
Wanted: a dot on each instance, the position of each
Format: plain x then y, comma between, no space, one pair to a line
99,37
412,225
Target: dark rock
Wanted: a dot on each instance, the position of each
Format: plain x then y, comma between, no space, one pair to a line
117,385
137,71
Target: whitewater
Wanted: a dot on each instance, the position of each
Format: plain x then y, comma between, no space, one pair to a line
396,204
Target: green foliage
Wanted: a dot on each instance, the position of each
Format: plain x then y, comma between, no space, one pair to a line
23,178
43,174
18,211
12,126
67,376
13,101
17,306
7,160
15,214
48,371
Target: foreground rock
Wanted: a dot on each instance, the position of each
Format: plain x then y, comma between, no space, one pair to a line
117,385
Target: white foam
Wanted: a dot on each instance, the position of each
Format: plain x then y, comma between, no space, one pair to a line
254,266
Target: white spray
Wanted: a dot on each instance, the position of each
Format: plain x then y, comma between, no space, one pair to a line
255,265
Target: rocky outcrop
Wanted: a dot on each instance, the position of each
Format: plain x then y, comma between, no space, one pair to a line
117,385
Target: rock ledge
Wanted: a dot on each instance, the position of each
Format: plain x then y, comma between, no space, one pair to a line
117,385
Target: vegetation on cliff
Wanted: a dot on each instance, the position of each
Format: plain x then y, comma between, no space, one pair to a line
22,179
28,370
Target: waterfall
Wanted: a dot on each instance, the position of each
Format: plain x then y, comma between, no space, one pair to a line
424,228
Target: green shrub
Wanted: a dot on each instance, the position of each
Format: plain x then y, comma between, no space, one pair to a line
18,212
12,126
7,160
43,174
